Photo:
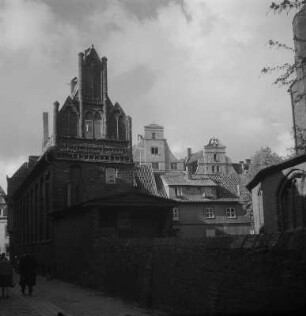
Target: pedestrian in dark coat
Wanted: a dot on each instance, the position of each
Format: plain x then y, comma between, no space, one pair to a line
6,275
27,270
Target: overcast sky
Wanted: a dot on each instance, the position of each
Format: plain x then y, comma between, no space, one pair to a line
193,66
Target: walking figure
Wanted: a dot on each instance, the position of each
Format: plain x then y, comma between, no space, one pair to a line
6,275
27,270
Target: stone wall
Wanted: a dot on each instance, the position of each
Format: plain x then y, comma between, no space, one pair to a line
237,274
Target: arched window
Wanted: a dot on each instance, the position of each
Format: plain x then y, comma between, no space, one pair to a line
93,125
98,126
292,201
88,125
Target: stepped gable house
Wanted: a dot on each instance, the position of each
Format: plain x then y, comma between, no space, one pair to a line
153,150
82,185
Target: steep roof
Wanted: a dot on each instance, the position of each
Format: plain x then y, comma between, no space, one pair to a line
228,183
144,179
2,196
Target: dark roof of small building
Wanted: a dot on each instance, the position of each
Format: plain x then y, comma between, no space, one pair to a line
237,167
181,179
195,157
262,174
130,198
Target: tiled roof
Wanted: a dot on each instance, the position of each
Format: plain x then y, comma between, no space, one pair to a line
144,179
159,184
228,183
181,178
200,198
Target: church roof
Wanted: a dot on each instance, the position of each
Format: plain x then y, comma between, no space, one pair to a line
91,53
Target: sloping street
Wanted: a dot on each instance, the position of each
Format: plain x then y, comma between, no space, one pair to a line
53,297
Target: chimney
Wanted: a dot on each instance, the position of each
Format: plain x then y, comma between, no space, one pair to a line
55,113
80,92
188,153
189,173
45,128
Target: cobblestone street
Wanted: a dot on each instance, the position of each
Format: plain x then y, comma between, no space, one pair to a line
51,297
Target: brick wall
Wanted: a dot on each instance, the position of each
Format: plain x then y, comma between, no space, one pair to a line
242,274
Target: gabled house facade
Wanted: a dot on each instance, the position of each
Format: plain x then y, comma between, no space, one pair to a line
205,207
153,149
88,157
213,160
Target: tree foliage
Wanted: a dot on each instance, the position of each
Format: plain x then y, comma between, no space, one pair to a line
287,71
262,158
286,5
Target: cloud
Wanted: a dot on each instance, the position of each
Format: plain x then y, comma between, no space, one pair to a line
192,66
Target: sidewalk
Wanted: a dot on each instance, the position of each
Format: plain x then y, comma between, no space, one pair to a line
51,297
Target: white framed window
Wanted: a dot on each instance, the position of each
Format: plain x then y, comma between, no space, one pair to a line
155,165
209,212
110,175
178,191
176,214
154,150
231,212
